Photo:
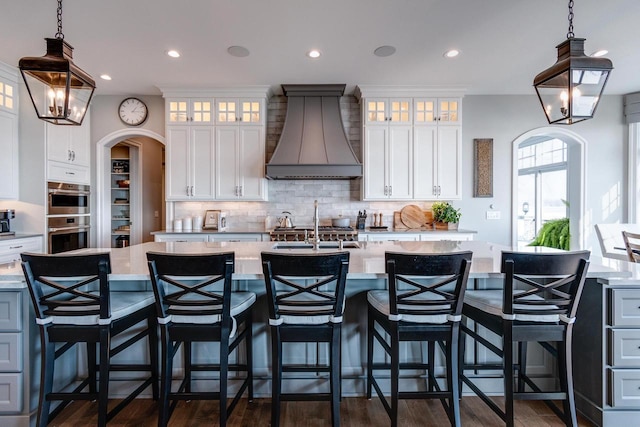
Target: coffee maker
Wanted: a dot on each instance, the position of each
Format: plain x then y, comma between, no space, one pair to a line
6,215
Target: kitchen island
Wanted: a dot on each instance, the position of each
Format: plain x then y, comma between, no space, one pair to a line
366,271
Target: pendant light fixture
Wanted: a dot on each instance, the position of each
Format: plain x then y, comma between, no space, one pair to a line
59,89
570,89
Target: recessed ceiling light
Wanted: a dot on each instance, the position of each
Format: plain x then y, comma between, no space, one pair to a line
238,51
105,77
314,53
451,53
383,51
599,53
173,54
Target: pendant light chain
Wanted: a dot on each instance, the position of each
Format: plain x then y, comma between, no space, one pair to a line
59,34
570,34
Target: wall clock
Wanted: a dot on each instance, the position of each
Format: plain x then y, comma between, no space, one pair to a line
133,111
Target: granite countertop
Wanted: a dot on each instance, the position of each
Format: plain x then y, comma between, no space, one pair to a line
366,262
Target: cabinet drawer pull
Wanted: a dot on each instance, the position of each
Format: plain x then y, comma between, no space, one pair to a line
15,247
70,173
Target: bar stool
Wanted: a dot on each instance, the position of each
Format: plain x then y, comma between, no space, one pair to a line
73,304
305,297
423,303
632,245
194,303
538,303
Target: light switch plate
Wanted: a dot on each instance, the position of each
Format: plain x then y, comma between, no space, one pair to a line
493,214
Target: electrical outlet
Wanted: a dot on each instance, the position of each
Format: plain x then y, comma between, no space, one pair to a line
493,214
156,214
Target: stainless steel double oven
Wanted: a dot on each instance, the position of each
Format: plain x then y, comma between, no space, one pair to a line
68,219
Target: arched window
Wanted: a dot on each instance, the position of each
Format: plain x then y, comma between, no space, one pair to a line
542,184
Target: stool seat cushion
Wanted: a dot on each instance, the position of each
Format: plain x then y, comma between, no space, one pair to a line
490,301
240,302
122,305
379,300
309,306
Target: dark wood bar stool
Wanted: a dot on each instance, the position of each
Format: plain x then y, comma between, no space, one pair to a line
195,303
423,304
73,304
305,296
538,303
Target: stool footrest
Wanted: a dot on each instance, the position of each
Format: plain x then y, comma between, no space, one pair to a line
293,397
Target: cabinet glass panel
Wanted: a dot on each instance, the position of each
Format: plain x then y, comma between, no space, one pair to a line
6,95
251,112
226,111
425,111
400,111
375,111
449,111
202,111
177,111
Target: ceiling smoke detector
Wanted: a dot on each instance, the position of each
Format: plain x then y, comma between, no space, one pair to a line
384,51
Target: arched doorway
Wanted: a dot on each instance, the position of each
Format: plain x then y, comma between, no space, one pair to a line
575,176
103,182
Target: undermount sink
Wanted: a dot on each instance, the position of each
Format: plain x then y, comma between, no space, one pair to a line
321,245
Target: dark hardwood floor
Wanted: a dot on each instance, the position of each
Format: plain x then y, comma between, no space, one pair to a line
353,412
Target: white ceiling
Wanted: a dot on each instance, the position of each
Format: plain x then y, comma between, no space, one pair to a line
504,43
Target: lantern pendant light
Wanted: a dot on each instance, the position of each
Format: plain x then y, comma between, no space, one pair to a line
59,89
570,89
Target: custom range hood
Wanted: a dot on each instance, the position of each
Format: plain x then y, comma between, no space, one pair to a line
313,144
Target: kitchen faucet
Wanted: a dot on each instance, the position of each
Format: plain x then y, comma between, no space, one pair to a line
316,221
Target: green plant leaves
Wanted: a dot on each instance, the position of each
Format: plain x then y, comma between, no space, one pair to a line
553,234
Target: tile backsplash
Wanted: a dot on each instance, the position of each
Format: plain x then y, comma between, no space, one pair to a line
336,197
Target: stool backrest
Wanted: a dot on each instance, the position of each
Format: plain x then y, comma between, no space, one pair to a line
305,285
68,285
192,285
632,245
427,284
544,283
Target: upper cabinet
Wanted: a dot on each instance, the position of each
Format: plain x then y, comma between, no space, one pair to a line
9,132
193,111
233,111
68,152
442,111
215,144
384,111
411,144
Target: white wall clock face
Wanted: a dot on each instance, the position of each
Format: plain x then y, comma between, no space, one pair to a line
132,111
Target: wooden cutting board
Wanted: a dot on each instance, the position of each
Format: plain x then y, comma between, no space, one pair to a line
413,216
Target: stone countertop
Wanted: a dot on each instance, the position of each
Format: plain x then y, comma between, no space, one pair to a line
367,262
392,230
18,236
229,230
262,230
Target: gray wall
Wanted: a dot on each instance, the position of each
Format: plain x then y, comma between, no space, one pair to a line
501,117
504,118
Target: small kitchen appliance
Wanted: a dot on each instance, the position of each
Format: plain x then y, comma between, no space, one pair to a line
215,220
6,215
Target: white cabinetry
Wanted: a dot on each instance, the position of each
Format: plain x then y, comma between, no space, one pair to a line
388,150
412,144
240,163
215,144
68,152
195,111
11,249
9,132
438,146
190,163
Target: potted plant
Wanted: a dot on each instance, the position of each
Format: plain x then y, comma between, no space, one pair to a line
445,216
